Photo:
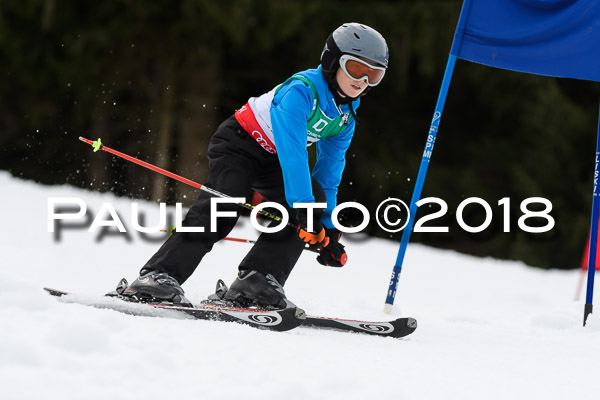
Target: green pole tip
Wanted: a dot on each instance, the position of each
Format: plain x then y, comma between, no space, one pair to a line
97,145
170,230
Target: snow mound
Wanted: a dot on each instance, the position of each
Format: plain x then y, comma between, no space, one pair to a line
488,329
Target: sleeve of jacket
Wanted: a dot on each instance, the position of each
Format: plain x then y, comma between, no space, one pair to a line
289,112
331,160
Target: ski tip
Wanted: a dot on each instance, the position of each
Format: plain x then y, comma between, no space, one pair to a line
55,292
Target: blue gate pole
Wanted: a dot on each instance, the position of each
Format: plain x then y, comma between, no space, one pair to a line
594,234
435,122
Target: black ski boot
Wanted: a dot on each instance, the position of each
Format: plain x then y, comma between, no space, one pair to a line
152,286
253,289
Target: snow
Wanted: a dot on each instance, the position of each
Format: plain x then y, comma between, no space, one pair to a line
488,329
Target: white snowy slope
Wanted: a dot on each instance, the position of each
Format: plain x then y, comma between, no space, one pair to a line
488,329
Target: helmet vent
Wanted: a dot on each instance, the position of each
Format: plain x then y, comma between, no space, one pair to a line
357,50
356,35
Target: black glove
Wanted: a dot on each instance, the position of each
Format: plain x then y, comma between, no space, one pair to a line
332,253
318,233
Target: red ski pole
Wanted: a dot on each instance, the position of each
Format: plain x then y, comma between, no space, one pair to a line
233,239
240,240
97,145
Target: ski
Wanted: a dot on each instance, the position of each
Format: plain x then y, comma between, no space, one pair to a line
396,329
276,320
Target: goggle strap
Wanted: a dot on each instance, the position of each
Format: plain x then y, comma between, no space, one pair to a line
335,52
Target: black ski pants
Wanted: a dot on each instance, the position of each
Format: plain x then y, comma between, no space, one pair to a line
238,165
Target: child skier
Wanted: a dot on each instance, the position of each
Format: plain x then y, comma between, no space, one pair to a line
263,147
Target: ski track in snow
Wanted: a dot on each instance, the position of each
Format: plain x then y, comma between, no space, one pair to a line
488,329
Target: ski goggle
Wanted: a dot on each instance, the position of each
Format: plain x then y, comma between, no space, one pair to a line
359,70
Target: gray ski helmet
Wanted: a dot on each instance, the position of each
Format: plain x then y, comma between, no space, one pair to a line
355,39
